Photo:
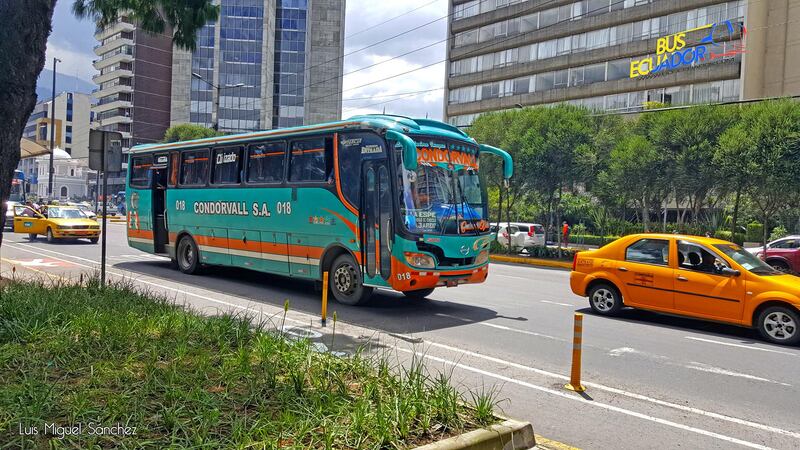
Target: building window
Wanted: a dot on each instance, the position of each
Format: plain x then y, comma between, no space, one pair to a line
64,192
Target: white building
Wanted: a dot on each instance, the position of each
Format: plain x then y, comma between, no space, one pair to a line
71,176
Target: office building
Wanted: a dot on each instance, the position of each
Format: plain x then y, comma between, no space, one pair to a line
72,119
259,66
618,55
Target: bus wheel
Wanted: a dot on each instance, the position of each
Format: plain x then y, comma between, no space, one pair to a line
31,236
419,294
94,240
188,256
346,282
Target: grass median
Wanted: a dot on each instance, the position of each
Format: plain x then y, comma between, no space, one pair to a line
76,355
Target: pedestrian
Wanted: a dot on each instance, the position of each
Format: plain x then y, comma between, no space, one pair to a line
565,234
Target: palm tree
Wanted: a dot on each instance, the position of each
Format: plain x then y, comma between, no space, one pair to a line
25,26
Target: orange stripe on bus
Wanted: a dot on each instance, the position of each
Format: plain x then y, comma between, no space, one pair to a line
344,201
144,234
353,227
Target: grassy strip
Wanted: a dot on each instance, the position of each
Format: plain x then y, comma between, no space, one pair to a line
79,355
531,261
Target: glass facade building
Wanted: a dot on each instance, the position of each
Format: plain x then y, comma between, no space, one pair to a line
251,69
504,54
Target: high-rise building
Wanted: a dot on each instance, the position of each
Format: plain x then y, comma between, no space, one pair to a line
617,55
259,67
134,85
133,94
72,118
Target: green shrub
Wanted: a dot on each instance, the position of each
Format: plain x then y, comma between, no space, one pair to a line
551,253
778,232
590,239
755,232
726,235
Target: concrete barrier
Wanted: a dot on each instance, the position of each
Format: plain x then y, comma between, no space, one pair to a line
531,261
507,435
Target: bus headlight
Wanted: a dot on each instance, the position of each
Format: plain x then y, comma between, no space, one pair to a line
420,260
482,257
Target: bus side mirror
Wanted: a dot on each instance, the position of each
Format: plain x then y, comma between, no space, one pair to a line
409,148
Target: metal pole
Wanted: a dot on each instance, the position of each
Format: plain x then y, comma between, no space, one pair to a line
105,206
216,108
52,132
97,192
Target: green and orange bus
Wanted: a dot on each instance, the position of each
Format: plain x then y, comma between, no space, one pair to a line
376,201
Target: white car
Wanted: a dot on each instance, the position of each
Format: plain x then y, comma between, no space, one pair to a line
10,214
522,235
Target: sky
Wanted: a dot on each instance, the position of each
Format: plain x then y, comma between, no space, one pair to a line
72,41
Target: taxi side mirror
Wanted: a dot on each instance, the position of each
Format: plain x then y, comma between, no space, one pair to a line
728,272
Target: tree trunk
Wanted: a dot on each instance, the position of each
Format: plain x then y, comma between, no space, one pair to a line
24,28
734,221
645,214
765,234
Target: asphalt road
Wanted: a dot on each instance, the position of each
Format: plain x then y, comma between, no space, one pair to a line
653,381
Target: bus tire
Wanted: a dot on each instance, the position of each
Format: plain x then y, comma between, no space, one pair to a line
32,236
418,294
346,282
94,240
188,256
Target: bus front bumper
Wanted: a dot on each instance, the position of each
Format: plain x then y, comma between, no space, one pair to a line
407,278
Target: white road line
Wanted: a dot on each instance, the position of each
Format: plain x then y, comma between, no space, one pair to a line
644,398
612,390
557,303
509,276
749,347
593,403
718,371
502,327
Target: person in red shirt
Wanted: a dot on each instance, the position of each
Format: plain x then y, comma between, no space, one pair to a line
565,234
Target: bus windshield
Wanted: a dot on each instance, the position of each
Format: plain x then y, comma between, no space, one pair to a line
444,195
17,188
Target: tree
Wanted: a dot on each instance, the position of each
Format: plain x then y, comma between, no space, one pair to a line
25,26
187,132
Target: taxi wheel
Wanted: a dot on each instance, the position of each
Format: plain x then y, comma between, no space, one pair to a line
346,282
605,299
780,325
50,237
419,294
32,236
94,240
188,256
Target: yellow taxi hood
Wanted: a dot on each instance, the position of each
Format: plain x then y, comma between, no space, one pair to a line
85,221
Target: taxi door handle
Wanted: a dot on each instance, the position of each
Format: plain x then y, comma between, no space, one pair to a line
682,278
622,269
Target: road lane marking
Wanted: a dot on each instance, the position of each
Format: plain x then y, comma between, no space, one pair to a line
594,403
632,351
501,327
741,346
507,363
612,390
510,276
718,371
557,303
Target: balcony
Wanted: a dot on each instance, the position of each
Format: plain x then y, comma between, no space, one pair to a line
109,106
120,55
108,76
111,90
122,24
111,45
113,120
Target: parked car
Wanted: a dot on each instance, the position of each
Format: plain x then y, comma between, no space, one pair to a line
782,254
703,278
522,234
10,215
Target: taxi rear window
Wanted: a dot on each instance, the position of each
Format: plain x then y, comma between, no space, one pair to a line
649,251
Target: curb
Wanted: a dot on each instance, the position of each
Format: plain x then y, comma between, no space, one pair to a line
507,435
531,261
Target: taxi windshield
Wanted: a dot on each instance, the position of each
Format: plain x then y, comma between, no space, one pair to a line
65,213
746,259
444,194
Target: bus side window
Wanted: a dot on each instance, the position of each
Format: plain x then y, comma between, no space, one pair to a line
140,171
226,165
194,168
265,162
308,160
174,165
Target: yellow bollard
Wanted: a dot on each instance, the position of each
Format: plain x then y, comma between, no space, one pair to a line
577,339
324,297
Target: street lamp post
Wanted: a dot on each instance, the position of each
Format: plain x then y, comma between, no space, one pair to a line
217,89
52,133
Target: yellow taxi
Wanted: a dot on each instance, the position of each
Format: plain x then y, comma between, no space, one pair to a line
692,276
55,222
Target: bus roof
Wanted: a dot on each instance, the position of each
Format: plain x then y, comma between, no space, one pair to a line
400,124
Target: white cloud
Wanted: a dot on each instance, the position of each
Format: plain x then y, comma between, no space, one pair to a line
73,62
362,14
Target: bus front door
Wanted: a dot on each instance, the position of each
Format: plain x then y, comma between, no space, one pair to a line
376,219
159,206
